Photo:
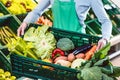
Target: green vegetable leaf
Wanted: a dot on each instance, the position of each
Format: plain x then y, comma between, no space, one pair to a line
106,77
29,35
102,53
79,76
102,62
93,73
116,71
43,41
88,64
108,69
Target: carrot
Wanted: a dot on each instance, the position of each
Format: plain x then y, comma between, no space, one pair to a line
87,57
89,53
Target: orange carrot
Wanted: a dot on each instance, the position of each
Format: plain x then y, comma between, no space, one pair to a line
90,53
88,57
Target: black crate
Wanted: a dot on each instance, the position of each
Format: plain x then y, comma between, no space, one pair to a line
24,66
4,62
11,21
3,9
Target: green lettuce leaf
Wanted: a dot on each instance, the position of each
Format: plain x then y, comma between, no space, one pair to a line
93,73
108,69
102,62
102,53
106,77
43,41
30,35
116,71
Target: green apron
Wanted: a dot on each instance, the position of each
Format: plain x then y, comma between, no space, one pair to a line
65,16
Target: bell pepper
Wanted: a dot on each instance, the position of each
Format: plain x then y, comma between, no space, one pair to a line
57,52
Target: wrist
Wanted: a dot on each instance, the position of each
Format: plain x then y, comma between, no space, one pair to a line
25,23
106,40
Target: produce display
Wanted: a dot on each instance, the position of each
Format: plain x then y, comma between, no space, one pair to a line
44,21
6,75
40,44
19,6
37,43
75,57
6,34
98,67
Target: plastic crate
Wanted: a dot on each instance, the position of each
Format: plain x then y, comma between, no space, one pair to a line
113,11
110,6
10,21
3,9
94,27
21,16
4,62
13,23
24,66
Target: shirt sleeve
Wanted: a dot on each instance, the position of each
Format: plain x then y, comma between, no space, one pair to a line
103,18
36,13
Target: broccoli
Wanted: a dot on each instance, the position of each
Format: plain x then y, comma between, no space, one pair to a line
65,44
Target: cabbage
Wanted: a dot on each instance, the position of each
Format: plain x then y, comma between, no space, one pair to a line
43,41
29,35
45,46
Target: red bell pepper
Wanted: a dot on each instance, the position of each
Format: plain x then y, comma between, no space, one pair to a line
56,52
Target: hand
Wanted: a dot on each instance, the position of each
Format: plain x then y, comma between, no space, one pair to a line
101,43
20,30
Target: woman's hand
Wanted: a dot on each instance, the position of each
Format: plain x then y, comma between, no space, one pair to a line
21,29
101,43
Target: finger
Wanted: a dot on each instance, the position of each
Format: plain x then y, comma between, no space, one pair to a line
98,47
100,44
18,32
22,31
45,22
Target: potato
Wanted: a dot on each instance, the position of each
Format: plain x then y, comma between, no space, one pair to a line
60,58
63,63
80,55
71,57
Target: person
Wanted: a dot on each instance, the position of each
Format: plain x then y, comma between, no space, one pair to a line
70,15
